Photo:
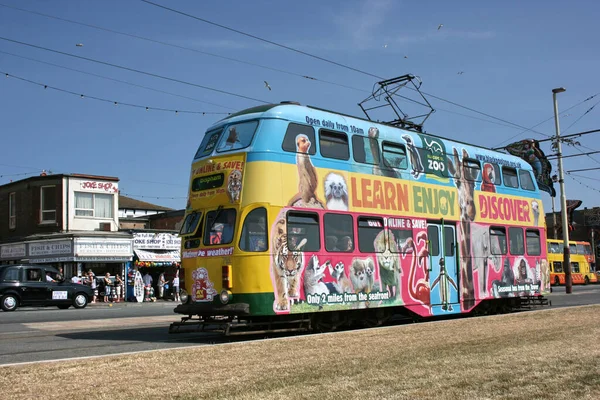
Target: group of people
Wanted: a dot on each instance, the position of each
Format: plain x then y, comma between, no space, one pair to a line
162,284
113,289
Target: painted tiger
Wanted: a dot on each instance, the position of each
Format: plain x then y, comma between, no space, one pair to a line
286,267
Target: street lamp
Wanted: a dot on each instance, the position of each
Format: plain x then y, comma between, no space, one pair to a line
563,198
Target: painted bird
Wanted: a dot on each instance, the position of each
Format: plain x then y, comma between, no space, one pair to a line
267,85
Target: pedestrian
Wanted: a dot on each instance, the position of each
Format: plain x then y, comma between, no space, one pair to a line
107,287
161,285
93,284
176,286
118,287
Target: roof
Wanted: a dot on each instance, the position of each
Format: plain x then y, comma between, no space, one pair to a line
133,204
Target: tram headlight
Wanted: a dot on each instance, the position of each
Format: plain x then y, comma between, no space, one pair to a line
225,296
183,296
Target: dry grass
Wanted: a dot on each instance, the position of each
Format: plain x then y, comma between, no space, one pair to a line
551,354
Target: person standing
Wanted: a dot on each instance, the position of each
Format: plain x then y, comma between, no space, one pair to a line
107,287
118,287
176,286
93,284
161,285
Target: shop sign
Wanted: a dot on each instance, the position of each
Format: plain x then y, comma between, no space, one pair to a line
172,256
94,186
102,259
48,260
12,250
158,241
86,247
50,248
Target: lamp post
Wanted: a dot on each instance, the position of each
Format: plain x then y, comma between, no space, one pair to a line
563,199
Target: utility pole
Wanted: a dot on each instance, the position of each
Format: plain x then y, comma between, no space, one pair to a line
563,198
554,218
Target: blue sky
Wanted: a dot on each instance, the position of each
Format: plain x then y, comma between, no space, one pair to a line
512,54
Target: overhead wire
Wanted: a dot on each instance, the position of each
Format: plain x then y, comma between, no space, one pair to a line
182,47
134,70
84,96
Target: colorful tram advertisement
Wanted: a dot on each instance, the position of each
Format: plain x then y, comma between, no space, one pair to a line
297,214
582,263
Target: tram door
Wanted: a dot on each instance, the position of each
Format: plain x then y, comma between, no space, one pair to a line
443,268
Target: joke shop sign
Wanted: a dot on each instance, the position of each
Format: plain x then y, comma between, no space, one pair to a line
156,241
96,186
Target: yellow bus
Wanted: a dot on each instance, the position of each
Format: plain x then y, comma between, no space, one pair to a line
581,273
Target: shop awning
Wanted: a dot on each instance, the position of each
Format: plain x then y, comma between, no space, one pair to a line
148,255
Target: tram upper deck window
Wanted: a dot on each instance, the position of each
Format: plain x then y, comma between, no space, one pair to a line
572,248
334,144
555,248
472,169
208,143
238,136
510,177
299,139
493,173
526,180
365,150
394,155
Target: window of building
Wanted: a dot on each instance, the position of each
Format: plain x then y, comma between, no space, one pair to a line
394,155
12,210
517,241
526,180
575,267
334,144
299,139
557,266
303,231
254,231
534,246
365,150
498,240
94,205
220,226
48,203
339,234
368,230
472,169
208,143
510,177
238,136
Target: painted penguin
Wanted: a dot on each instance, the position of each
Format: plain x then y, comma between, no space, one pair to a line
445,281
415,158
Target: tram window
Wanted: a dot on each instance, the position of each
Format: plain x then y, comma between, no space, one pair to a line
517,245
303,231
448,242
339,235
370,229
398,236
498,240
365,150
557,266
472,169
572,248
510,177
394,155
238,136
534,247
298,137
219,227
555,248
190,224
254,231
575,267
526,180
208,143
433,236
580,249
334,144
497,179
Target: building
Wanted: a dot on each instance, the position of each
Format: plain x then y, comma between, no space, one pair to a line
66,220
135,214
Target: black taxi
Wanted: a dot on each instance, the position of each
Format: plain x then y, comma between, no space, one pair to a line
39,285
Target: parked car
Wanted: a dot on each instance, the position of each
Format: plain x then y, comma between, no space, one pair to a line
39,285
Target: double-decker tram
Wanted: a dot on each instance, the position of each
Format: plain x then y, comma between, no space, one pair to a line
581,258
302,218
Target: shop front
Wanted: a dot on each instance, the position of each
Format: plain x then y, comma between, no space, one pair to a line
155,253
